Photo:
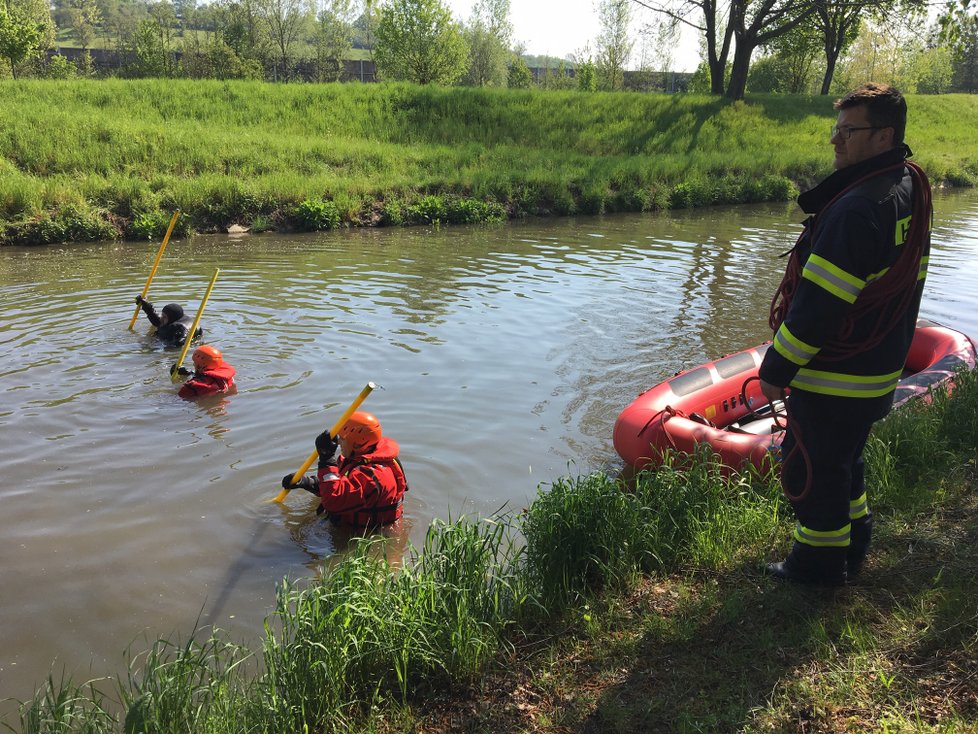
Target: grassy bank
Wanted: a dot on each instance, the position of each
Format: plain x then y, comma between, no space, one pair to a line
84,160
625,611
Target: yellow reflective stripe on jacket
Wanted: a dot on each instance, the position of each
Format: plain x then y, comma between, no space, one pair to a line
924,264
848,386
833,278
858,507
823,538
877,276
792,348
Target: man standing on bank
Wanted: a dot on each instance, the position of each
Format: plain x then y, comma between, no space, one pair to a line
844,316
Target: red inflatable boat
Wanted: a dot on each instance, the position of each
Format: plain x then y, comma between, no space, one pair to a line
719,404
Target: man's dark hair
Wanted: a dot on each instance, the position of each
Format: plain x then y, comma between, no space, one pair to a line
885,107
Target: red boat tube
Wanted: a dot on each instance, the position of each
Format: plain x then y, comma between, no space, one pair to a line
715,403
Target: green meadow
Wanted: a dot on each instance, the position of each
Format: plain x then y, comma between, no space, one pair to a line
604,606
90,160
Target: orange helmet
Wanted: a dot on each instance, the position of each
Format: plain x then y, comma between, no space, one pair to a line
361,431
207,356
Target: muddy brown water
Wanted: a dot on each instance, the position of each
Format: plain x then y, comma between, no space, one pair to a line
505,353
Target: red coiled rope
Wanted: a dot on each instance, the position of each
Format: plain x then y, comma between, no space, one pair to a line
889,295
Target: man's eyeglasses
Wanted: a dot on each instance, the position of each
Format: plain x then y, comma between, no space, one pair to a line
846,132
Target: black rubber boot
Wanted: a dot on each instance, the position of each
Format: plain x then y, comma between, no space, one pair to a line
808,565
862,534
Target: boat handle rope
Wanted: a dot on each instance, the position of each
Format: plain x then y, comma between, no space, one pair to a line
663,416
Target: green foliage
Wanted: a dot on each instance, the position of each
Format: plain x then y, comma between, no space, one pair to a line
228,152
768,74
419,41
66,707
333,39
60,68
910,454
69,223
183,687
25,29
434,209
518,75
587,76
367,637
313,215
488,37
147,226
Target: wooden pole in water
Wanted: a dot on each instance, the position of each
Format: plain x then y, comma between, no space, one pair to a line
193,329
159,256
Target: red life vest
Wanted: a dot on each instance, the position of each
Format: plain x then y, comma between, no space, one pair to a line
215,379
367,490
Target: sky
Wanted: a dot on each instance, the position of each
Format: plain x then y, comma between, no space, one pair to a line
561,27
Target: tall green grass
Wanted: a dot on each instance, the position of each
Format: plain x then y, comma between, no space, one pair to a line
113,151
343,652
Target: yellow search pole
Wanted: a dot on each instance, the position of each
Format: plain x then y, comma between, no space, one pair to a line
193,329
332,432
159,256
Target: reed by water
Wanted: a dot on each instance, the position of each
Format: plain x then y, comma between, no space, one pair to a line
368,646
100,159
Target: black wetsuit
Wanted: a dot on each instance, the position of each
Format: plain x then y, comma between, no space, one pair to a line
175,331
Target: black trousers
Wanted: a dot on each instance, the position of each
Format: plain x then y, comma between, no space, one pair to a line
833,432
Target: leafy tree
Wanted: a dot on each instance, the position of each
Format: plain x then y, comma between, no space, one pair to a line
958,30
613,43
934,70
883,52
795,54
519,75
83,18
839,24
153,42
334,39
120,19
767,75
284,21
365,27
209,57
239,25
586,71
488,35
25,30
419,41
557,77
60,68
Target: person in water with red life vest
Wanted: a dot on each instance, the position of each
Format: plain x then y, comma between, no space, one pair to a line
844,316
211,375
172,324
364,486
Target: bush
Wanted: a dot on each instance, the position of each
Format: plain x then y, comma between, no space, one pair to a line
313,215
428,210
67,224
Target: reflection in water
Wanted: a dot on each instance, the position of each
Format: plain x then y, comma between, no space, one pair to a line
506,352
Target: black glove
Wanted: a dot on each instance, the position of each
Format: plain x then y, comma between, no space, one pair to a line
326,446
307,483
181,370
139,300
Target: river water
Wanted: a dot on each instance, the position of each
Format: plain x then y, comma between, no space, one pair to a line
505,353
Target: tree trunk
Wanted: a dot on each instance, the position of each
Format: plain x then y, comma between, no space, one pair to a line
716,76
738,71
830,59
